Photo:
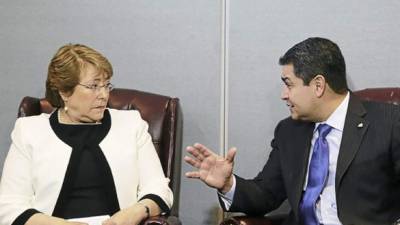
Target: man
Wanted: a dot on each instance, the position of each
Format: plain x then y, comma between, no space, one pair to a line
336,159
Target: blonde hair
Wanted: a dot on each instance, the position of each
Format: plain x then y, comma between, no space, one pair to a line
65,69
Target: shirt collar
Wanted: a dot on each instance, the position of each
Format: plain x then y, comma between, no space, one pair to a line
337,118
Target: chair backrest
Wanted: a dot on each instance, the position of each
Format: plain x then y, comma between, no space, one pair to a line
388,95
163,115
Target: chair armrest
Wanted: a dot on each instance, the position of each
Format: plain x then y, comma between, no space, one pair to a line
249,220
162,220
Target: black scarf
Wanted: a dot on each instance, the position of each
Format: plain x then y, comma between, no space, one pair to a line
84,137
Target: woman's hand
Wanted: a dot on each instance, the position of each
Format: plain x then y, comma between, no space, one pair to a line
128,216
73,223
42,219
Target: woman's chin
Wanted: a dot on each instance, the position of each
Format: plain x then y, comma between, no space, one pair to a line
96,117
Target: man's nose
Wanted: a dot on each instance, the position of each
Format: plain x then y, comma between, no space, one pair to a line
284,93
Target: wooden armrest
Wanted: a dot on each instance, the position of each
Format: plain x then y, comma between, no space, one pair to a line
250,220
162,220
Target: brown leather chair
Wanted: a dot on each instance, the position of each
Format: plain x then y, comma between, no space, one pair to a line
165,127
389,95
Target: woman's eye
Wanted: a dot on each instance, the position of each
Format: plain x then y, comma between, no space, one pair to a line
93,86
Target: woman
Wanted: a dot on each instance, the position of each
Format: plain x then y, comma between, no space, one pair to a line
83,159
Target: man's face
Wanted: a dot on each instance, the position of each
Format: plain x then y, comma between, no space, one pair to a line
298,97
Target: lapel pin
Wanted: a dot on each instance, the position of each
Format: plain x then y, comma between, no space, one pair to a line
360,125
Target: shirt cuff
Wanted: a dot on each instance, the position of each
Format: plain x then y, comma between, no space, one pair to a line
227,198
165,210
23,217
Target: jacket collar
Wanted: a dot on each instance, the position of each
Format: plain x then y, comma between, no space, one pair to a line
354,129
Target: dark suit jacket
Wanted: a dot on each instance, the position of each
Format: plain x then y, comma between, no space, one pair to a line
367,175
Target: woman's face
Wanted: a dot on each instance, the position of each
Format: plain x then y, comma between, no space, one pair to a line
89,99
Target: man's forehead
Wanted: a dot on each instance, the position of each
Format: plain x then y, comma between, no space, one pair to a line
288,69
287,76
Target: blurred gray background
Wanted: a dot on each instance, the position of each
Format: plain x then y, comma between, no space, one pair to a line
173,47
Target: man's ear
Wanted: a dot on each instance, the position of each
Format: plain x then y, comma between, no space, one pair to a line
320,85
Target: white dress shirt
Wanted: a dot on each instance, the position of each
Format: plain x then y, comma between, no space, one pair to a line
326,205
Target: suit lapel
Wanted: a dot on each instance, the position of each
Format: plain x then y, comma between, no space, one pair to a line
303,143
354,129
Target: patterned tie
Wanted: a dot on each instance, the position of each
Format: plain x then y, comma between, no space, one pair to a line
317,174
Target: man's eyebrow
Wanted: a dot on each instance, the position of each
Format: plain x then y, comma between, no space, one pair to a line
285,79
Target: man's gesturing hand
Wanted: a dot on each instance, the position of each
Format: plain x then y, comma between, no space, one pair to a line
213,170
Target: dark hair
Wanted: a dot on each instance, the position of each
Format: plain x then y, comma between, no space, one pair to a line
318,56
65,69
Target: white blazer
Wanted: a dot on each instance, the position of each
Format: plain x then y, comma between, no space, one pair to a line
36,163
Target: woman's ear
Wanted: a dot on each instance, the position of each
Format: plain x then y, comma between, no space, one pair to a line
320,85
64,96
